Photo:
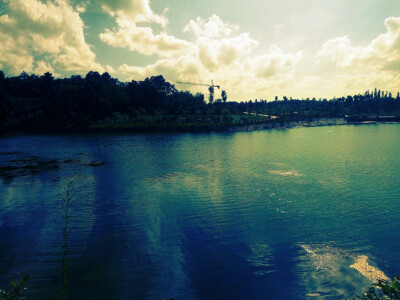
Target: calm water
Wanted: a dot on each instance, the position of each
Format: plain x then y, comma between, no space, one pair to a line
279,214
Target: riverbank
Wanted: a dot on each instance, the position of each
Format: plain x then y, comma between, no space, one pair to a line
291,124
256,125
251,126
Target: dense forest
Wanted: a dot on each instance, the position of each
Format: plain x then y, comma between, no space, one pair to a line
31,102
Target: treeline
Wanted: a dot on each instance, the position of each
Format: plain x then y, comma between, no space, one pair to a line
31,102
375,103
36,102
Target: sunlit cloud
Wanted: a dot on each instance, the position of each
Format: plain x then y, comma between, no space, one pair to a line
143,40
365,67
51,36
213,28
43,67
273,63
383,53
219,52
32,28
134,10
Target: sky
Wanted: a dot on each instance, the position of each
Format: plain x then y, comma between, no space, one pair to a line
254,49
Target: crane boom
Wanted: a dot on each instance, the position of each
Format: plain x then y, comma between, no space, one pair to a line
210,87
191,83
202,84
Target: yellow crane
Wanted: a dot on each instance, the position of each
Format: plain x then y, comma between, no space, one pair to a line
210,87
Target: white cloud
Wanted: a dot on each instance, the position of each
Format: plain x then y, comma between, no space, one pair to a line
339,49
221,53
365,67
80,8
53,29
214,28
183,69
274,62
218,44
383,53
43,67
215,45
14,56
134,10
143,40
216,53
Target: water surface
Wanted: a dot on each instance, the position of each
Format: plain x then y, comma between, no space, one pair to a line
278,214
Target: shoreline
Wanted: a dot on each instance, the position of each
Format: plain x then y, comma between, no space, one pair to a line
280,125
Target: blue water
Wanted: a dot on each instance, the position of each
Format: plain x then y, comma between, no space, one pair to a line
278,214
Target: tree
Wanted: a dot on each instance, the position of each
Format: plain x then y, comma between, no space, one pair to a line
226,115
211,97
48,76
224,96
23,76
106,77
162,86
93,77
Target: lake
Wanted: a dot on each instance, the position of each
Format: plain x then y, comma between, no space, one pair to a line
274,214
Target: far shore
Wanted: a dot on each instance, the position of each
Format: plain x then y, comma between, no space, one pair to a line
188,128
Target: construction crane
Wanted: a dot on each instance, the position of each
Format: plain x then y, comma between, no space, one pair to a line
210,87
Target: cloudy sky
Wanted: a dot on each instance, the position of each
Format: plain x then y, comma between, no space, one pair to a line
252,48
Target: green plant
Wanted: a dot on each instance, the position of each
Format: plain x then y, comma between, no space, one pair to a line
67,203
383,290
15,290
